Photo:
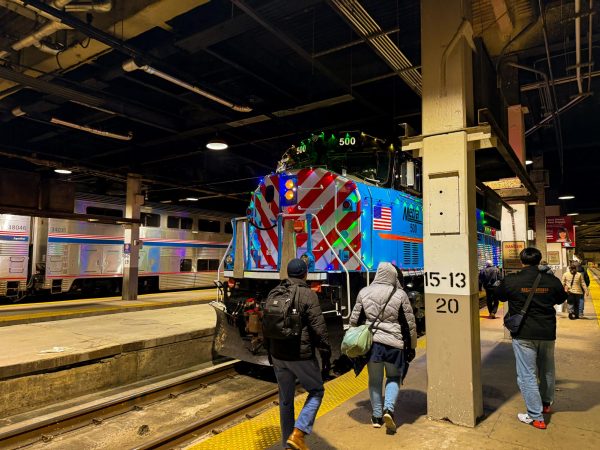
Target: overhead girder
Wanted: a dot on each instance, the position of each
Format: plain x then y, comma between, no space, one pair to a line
140,21
104,103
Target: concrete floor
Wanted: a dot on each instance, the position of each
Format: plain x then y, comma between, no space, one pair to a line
575,423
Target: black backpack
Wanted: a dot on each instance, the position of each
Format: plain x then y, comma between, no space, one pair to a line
281,313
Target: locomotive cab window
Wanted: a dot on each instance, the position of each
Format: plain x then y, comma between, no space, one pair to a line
150,220
210,226
101,211
185,265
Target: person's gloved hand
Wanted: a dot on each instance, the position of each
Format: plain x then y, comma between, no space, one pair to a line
326,363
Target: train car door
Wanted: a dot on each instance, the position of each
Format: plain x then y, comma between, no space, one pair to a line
111,260
91,259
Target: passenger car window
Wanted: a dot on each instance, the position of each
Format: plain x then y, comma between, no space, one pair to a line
185,265
211,226
101,211
150,220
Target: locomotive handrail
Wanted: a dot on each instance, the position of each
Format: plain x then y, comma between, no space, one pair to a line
222,263
342,264
360,261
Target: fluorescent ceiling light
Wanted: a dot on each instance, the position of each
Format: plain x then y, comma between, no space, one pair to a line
527,162
573,214
216,144
191,199
566,197
63,171
166,201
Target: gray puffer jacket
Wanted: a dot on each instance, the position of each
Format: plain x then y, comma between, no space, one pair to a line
372,298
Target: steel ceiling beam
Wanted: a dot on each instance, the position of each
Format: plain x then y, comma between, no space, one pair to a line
283,37
104,104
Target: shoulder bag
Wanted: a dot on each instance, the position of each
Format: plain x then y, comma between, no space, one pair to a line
358,340
513,323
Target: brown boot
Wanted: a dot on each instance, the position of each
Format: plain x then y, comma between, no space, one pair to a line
296,440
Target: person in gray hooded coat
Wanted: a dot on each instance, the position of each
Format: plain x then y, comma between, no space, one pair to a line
388,342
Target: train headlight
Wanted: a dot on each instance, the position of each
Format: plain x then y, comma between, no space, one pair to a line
289,190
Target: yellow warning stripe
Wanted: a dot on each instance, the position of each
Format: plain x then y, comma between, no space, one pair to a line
595,292
16,317
263,431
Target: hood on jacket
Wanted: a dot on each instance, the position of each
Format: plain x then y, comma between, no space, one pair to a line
386,274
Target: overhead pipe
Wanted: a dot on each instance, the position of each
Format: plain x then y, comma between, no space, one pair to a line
590,22
578,45
131,66
34,39
560,110
91,6
18,112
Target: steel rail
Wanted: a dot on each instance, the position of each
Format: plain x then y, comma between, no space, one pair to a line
53,425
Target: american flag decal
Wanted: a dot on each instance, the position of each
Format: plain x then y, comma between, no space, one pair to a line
382,218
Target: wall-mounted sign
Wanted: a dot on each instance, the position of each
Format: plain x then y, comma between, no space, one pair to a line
560,229
510,254
553,258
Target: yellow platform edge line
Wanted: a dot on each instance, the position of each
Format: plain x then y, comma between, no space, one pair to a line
263,431
12,318
595,292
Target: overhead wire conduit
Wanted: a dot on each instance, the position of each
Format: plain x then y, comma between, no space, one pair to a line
18,112
131,66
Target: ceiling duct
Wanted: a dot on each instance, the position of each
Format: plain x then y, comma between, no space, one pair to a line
18,112
35,38
131,66
92,6
370,31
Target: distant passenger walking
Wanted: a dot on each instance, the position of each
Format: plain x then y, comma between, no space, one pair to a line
394,339
575,287
489,277
294,358
583,271
533,343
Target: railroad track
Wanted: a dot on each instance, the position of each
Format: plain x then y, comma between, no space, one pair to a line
60,426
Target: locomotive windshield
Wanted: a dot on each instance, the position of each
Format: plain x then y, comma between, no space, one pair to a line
349,153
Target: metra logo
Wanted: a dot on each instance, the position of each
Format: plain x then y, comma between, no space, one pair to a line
412,214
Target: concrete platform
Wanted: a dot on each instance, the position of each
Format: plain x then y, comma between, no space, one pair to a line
69,309
575,422
344,417
43,363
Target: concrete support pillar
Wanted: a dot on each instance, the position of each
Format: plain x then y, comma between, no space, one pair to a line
131,250
449,239
514,226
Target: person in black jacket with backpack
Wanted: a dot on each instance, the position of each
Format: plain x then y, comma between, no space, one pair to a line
295,357
533,342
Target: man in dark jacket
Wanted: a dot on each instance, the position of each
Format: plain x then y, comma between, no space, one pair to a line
488,278
295,358
533,343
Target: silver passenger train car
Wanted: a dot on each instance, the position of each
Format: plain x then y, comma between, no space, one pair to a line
181,248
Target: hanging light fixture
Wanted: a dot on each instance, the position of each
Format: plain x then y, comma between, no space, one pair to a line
217,144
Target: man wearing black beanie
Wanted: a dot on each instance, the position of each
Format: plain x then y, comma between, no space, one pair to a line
295,359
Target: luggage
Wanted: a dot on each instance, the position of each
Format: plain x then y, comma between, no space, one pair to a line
281,316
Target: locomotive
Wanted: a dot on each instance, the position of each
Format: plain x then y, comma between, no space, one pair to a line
343,203
181,249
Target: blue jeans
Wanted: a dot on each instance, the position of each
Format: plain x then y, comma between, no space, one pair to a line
309,376
392,386
581,304
535,360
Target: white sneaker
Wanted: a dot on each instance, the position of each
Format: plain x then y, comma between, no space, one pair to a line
524,417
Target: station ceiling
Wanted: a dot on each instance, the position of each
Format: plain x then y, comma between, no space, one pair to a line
151,81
